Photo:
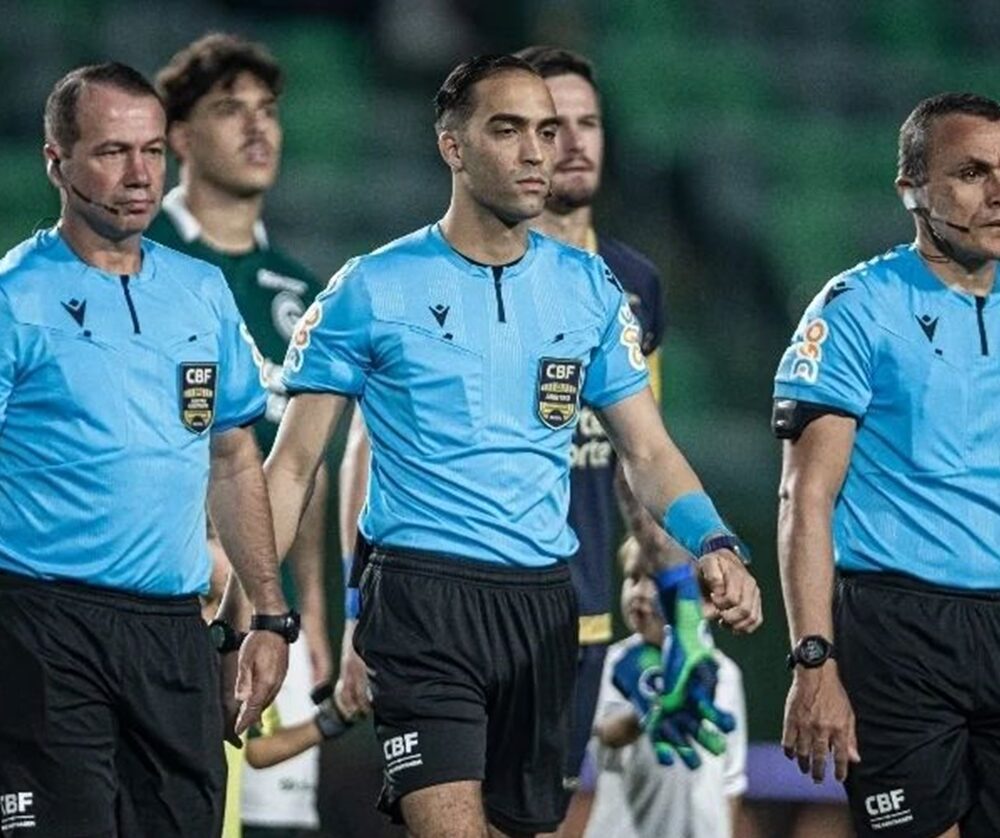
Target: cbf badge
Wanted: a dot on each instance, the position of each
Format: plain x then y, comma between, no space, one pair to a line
558,396
198,395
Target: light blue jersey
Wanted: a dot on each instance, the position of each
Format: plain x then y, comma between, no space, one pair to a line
918,364
110,387
470,380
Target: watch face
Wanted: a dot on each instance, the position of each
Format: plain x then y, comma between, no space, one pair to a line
218,635
813,650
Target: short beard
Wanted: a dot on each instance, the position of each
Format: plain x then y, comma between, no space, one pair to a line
563,203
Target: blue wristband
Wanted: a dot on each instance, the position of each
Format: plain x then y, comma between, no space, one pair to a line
691,519
352,596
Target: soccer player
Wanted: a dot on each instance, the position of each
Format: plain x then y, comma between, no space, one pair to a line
221,94
887,400
469,345
635,795
127,385
568,216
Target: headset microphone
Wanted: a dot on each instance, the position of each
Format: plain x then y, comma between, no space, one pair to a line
92,202
911,204
56,164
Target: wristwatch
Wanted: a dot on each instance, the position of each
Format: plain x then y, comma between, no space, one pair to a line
287,625
726,541
224,637
811,651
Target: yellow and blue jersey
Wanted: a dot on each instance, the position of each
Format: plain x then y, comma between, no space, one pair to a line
110,387
470,379
916,363
593,508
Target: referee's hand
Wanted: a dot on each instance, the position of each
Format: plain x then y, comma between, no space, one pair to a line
262,665
733,595
819,720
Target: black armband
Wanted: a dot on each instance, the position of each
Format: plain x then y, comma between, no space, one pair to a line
790,417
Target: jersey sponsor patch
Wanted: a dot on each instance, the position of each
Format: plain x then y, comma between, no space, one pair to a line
300,339
631,337
558,395
197,405
809,351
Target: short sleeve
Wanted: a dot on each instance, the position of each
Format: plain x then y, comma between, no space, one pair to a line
618,367
8,355
829,360
242,390
609,699
330,351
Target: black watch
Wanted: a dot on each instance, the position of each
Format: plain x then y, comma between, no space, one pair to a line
225,638
287,625
811,651
725,541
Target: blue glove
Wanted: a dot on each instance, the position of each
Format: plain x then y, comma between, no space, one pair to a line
684,711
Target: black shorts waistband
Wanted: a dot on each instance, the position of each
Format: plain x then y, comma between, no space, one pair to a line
102,597
468,570
902,582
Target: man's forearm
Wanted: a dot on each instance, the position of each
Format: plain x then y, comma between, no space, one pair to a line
307,557
353,482
805,558
239,508
289,496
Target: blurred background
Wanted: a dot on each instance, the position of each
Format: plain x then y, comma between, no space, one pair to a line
751,156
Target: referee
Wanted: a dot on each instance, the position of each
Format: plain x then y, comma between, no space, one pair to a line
888,399
469,345
126,387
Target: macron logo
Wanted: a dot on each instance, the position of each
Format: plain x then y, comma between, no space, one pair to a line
399,753
886,809
15,811
77,309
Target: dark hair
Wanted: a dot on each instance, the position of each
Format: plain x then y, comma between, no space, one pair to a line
454,103
212,59
556,61
914,135
61,125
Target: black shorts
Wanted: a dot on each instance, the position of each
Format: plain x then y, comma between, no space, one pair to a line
472,669
922,669
590,667
110,722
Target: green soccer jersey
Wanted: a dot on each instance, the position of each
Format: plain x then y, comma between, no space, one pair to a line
271,290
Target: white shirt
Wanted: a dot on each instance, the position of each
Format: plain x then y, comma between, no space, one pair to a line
637,797
285,794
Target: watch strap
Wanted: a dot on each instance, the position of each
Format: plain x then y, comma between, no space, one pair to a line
287,625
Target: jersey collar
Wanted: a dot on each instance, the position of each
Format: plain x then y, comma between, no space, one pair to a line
189,228
468,265
62,252
925,279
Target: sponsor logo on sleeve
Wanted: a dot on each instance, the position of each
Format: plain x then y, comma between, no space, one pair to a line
302,335
809,351
557,397
198,386
631,337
